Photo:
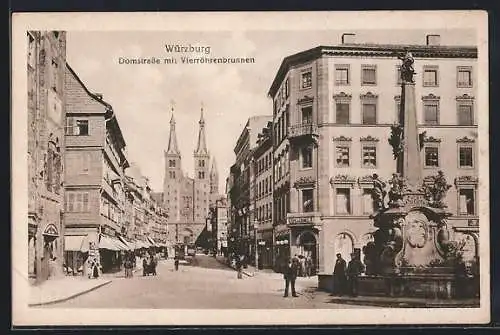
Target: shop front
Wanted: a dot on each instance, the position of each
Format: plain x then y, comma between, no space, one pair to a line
77,245
111,251
305,228
265,248
281,247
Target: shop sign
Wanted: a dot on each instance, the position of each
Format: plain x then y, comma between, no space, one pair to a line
300,220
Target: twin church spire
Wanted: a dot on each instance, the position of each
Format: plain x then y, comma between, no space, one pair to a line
201,151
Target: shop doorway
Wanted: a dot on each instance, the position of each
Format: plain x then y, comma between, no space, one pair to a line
308,249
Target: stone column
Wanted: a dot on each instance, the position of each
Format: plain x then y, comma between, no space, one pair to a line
410,166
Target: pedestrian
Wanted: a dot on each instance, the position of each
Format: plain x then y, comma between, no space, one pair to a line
176,262
302,267
239,267
354,270
339,276
290,275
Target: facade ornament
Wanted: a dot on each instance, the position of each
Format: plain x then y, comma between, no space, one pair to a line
396,140
465,96
368,95
369,138
305,99
342,138
431,139
431,97
407,69
466,180
343,179
368,179
304,181
465,139
342,95
435,189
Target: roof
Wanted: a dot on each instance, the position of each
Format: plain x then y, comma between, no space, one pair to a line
110,114
369,50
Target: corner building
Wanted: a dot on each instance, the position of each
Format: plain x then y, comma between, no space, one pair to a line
46,64
333,111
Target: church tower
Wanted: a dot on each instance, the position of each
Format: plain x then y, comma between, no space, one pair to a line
201,174
173,175
214,180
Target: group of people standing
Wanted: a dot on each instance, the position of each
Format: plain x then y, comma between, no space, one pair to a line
346,276
306,266
129,264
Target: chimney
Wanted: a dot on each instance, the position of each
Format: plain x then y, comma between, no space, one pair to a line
348,38
99,95
432,40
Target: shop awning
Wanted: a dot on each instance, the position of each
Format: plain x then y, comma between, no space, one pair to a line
151,241
129,244
121,245
107,242
76,243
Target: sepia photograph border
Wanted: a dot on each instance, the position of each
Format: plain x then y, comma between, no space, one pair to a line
22,315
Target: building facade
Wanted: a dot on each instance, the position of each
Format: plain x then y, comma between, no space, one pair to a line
46,65
95,163
242,189
333,111
263,195
187,199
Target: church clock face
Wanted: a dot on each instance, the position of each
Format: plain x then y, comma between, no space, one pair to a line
416,229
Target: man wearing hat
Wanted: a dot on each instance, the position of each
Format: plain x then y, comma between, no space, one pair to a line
354,270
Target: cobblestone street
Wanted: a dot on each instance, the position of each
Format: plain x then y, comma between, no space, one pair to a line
205,284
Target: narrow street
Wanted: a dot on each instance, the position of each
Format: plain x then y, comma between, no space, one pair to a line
203,284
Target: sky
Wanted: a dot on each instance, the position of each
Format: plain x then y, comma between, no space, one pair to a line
142,95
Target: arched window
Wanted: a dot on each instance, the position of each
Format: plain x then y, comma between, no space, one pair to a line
344,245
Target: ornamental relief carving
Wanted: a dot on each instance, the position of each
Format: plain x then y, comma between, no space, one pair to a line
368,138
465,139
343,179
342,138
416,228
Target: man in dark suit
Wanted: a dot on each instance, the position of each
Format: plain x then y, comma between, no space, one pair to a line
354,270
290,275
339,276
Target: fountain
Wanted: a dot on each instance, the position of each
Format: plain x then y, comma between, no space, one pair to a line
411,254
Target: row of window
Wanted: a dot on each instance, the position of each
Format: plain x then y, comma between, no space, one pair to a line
369,155
264,187
281,207
369,110
264,163
281,125
264,212
281,166
430,76
343,201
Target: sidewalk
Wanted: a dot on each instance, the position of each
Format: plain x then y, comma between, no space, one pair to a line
405,302
61,289
68,287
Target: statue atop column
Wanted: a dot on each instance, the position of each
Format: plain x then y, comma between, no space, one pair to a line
378,192
407,69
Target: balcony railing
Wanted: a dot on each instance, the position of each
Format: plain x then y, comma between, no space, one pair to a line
303,129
